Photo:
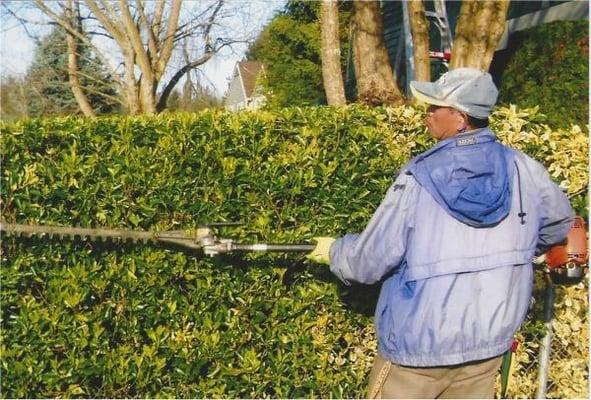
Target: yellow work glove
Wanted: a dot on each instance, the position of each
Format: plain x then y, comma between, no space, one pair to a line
321,254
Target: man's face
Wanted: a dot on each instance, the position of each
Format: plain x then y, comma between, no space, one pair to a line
444,122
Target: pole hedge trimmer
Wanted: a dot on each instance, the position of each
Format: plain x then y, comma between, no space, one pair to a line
202,238
565,264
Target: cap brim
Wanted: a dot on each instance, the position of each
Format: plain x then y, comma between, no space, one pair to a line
418,90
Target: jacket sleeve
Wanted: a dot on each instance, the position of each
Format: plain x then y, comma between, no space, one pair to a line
368,256
556,214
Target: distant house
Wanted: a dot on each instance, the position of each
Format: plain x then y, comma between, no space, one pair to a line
243,91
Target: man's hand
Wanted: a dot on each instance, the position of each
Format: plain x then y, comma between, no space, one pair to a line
321,254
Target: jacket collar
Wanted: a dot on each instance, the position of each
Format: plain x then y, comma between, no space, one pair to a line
481,135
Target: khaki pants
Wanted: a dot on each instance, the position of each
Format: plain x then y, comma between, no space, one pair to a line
466,381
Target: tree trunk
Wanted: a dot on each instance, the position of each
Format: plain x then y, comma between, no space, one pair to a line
420,40
148,95
376,83
479,29
132,99
331,53
73,14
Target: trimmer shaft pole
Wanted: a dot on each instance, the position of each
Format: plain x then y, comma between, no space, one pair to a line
273,247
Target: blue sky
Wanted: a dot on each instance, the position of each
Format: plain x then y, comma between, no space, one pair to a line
17,48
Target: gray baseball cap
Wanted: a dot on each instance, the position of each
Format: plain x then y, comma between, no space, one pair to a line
469,90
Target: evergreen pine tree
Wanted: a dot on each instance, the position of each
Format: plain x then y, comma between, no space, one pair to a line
48,81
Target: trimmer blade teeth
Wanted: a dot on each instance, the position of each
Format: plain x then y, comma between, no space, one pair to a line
76,233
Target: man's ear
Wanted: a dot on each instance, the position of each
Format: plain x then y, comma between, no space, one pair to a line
462,122
465,117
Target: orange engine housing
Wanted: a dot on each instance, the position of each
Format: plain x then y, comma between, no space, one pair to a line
568,262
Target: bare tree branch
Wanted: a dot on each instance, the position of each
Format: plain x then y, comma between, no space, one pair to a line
168,42
24,22
70,29
90,89
152,41
106,20
95,33
135,40
177,76
157,20
148,36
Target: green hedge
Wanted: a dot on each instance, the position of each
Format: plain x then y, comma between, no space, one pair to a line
104,320
548,66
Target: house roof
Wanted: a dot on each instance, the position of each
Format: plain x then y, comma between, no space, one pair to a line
249,71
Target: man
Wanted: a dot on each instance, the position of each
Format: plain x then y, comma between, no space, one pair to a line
455,236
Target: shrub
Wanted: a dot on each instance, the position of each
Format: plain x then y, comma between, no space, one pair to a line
106,320
548,66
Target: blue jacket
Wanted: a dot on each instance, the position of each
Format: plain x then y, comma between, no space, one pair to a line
456,233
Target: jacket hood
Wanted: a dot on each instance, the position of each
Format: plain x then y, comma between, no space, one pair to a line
470,175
